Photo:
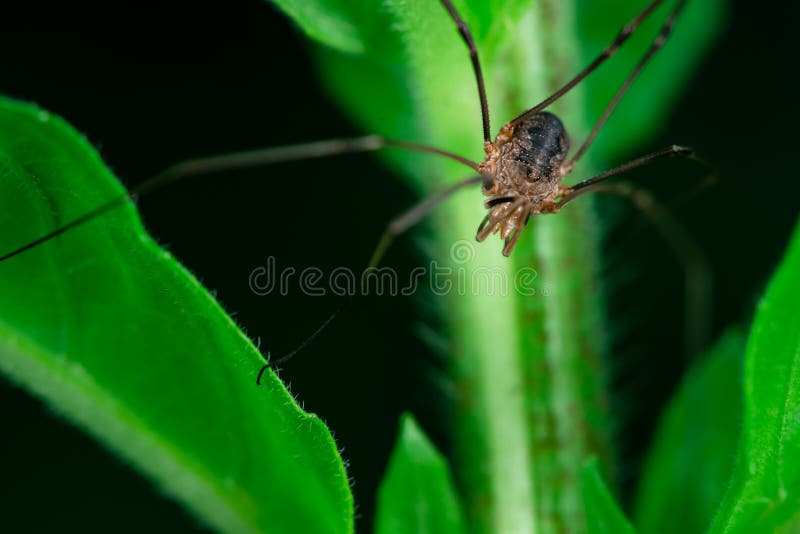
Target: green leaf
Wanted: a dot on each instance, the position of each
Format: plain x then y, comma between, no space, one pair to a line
690,463
331,22
111,332
764,495
417,495
603,515
527,367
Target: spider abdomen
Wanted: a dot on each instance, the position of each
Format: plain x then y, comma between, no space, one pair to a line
541,146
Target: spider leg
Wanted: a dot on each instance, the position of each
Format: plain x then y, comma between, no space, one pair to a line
623,36
466,35
659,41
696,266
241,160
395,228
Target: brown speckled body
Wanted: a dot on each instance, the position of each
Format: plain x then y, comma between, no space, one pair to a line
526,164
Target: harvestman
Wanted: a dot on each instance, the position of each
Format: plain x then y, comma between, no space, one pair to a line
521,174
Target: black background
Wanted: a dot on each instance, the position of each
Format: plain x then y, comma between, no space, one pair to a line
150,88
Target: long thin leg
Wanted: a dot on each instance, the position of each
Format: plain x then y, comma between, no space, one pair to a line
695,264
623,36
241,160
463,29
659,41
674,150
411,217
395,228
698,279
306,342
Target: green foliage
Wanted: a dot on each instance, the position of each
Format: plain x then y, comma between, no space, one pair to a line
603,515
417,494
764,495
722,406
527,367
110,331
690,461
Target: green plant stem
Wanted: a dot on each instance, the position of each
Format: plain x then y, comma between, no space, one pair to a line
527,366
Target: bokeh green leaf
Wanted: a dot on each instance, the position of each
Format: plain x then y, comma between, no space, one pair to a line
690,462
603,514
111,332
417,494
764,495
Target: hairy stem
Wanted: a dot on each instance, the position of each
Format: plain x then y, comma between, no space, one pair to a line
528,365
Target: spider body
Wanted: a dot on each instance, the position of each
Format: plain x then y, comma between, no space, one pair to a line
526,166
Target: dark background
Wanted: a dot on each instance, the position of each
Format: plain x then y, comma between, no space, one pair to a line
152,88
